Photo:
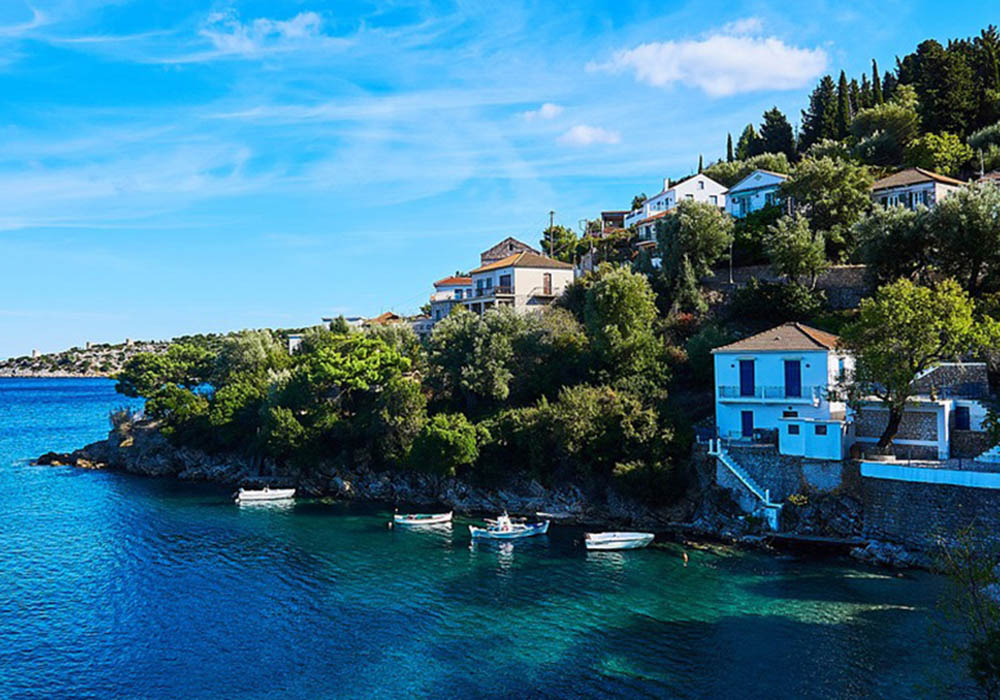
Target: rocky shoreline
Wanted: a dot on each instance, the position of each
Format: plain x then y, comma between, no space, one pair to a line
705,515
8,373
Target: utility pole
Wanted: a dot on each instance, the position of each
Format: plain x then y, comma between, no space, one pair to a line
552,216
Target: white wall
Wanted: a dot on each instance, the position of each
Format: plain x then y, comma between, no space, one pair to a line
530,280
755,190
809,442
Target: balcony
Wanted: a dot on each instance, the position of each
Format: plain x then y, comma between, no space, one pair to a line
494,291
770,394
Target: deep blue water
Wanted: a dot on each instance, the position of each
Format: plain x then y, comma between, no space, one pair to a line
121,586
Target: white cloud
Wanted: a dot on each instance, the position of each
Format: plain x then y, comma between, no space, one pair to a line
584,135
726,63
546,111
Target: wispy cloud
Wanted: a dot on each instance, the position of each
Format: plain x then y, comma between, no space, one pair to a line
38,19
548,110
585,135
732,61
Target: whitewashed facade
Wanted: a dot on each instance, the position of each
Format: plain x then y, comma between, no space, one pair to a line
698,188
759,189
912,188
523,281
449,292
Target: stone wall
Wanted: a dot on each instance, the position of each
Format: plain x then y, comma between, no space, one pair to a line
969,443
916,425
966,379
915,515
845,285
784,475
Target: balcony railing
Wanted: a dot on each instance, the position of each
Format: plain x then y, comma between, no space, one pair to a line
808,393
494,291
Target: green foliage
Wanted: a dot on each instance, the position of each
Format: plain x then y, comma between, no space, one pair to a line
354,362
943,153
563,243
690,241
699,350
728,173
249,352
829,148
883,132
776,134
145,373
749,144
795,251
750,234
819,121
401,337
619,312
553,350
774,302
446,442
893,243
833,195
902,331
966,230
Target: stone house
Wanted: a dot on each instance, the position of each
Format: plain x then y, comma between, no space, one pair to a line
504,249
913,187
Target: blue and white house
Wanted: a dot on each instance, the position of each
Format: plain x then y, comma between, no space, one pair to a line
779,382
759,189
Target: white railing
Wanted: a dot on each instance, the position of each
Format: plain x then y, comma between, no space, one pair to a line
809,393
771,509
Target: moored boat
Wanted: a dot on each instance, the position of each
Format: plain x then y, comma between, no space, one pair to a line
264,494
418,519
503,528
618,540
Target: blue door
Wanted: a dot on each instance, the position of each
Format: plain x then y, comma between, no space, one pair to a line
746,424
962,420
793,378
746,378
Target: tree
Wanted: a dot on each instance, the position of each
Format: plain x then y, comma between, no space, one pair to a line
776,133
729,148
893,243
820,120
883,132
945,86
832,194
876,85
701,163
904,330
563,242
865,96
448,441
729,173
619,311
749,144
690,240
843,107
795,251
145,373
943,153
966,231
638,201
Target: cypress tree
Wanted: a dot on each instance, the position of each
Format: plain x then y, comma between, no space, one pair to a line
701,164
729,148
866,92
876,85
819,121
889,83
749,144
843,107
855,94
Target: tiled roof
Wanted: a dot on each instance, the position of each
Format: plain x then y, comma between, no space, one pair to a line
654,217
789,336
749,175
384,319
991,177
453,281
913,176
524,260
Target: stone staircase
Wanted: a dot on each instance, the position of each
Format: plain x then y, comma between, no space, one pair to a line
767,508
991,456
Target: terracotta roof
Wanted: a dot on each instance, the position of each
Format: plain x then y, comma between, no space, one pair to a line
384,319
789,336
913,176
453,281
990,177
524,259
654,217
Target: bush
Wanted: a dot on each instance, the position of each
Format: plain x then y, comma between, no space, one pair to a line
699,350
775,302
448,441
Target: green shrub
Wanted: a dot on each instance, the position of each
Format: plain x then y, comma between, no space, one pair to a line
447,442
776,302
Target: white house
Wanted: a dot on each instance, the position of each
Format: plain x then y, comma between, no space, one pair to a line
523,281
779,381
449,292
698,188
912,187
759,189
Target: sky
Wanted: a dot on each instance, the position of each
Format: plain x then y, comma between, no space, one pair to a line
172,167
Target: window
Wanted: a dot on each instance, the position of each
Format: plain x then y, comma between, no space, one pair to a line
789,414
820,429
689,196
458,294
793,429
701,185
713,199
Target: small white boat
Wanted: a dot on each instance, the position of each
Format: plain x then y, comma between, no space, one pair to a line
264,494
503,528
418,519
618,540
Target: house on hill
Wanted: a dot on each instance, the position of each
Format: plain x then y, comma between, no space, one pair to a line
913,187
522,281
448,293
504,249
758,190
698,188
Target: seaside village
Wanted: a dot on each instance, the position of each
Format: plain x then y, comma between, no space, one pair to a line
779,423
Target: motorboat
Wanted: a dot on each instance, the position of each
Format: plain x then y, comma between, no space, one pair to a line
264,494
618,540
503,528
419,519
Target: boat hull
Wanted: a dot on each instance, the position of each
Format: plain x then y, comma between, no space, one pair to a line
422,520
519,532
608,541
245,496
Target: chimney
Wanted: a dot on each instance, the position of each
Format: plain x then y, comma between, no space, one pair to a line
35,354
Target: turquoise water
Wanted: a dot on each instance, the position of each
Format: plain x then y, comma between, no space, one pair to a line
121,586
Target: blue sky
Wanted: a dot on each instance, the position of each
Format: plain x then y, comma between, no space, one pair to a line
176,166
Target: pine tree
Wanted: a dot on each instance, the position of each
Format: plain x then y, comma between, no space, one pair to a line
749,144
843,107
776,134
866,92
855,94
729,148
819,121
876,85
701,164
889,84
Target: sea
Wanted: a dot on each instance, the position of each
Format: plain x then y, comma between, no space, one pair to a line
120,586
